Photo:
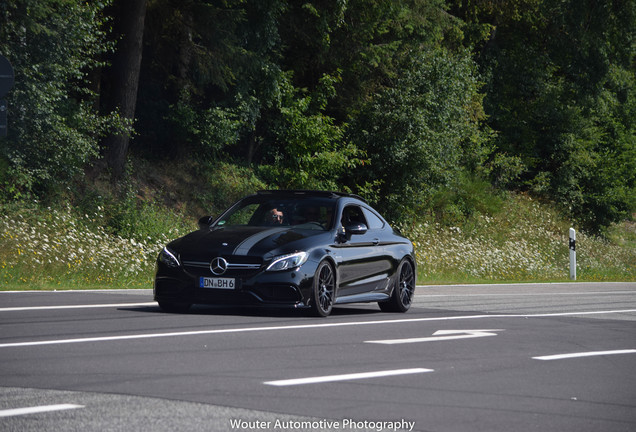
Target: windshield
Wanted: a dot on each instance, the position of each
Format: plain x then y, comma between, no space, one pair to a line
298,212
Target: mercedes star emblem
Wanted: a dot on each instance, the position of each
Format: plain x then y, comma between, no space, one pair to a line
218,266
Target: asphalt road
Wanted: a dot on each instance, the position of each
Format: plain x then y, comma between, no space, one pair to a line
548,357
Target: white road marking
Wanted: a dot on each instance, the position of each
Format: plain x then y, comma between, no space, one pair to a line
585,354
83,291
550,294
37,409
85,306
440,335
527,284
346,377
299,327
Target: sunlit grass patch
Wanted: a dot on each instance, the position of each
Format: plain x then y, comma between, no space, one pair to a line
45,248
48,247
525,241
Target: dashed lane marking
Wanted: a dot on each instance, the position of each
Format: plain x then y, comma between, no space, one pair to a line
345,377
37,409
85,306
585,354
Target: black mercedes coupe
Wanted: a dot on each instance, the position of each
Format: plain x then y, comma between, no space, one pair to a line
289,248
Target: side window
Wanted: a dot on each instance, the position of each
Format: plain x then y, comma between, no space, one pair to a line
352,215
374,222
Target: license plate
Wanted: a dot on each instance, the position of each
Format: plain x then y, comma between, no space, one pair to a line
217,283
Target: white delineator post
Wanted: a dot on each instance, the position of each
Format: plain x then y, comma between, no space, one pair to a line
572,254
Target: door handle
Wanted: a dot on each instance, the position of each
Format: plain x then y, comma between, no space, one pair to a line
376,241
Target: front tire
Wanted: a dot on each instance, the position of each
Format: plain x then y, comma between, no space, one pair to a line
324,290
403,291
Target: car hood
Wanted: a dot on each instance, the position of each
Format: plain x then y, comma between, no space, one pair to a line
242,240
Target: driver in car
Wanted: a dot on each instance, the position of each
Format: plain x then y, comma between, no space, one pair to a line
275,217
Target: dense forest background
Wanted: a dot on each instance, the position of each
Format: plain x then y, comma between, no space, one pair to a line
415,104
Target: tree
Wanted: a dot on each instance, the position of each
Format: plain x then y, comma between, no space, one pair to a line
553,96
421,134
121,80
307,149
55,128
210,72
368,44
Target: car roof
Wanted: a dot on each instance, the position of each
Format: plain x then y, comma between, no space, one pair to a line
309,193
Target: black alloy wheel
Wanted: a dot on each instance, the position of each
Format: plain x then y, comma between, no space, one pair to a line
403,291
324,290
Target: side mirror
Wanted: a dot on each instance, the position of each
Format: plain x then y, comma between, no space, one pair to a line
204,222
341,236
356,229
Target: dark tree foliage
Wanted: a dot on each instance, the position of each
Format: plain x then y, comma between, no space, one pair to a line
54,125
120,80
403,101
560,93
421,134
192,56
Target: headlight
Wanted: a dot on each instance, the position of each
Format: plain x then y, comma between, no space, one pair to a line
169,258
285,262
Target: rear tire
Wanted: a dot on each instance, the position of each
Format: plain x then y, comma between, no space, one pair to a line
324,289
403,291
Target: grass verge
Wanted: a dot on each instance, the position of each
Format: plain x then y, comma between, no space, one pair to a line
46,248
522,241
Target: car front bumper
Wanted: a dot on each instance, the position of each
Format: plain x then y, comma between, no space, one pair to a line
289,288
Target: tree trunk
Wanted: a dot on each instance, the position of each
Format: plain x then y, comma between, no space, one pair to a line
122,78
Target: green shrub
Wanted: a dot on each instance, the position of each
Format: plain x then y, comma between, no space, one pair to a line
226,183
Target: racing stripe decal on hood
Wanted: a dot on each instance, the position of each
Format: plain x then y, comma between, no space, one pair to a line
244,247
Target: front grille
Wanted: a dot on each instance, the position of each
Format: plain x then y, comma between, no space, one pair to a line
237,266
